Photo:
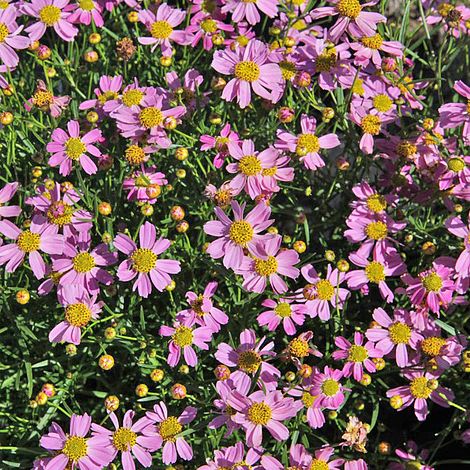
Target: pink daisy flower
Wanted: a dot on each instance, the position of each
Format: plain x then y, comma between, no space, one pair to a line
45,100
314,414
74,449
368,50
263,410
455,114
161,26
130,440
422,386
202,310
397,333
322,459
219,143
411,457
187,90
204,26
327,388
68,147
269,263
457,227
237,235
252,70
357,355
144,262
49,14
144,184
369,201
30,242
108,90
285,311
85,11
183,338
80,309
234,457
10,39
299,458
241,9
307,144
6,194
169,429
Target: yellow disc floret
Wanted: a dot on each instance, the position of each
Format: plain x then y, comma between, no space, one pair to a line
249,361
247,70
266,267
400,333
78,314
83,262
143,260
124,439
75,448
74,148
375,272
241,232
183,336
150,117
259,413
161,30
49,15
169,429
28,241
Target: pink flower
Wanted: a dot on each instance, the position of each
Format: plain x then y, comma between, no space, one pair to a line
144,184
234,457
182,339
144,262
80,309
169,429
237,235
252,70
67,147
130,439
282,311
411,457
38,237
307,144
322,458
10,38
49,13
7,193
357,355
457,227
75,450
87,11
369,201
241,9
108,90
189,88
394,334
202,310
45,100
422,386
320,293
327,388
268,263
368,47
161,26
259,410
455,114
219,143
204,26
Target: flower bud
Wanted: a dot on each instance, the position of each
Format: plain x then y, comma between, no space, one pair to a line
23,296
222,372
141,390
178,391
157,375
111,402
106,362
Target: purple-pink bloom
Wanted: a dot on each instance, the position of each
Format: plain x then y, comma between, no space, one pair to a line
7,193
219,143
285,311
455,114
10,39
108,90
241,9
144,184
86,11
327,388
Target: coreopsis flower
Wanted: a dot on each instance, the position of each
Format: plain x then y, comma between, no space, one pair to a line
188,89
369,201
453,18
74,449
319,293
168,432
161,26
454,171
132,96
68,147
49,14
144,184
202,310
411,458
219,143
352,18
234,457
252,70
80,309
205,27
6,194
144,262
241,10
268,264
379,97
314,414
259,410
367,50
307,144
237,235
283,311
129,439
10,39
457,227
38,237
108,90
397,333
85,11
298,458
357,355
183,338
221,196
452,115
422,386
327,388
433,286
45,100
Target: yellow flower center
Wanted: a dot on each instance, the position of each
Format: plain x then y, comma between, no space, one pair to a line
74,148
223,198
209,25
49,15
42,98
169,429
298,347
308,399
413,465
135,155
349,8
196,305
358,87
309,142
468,106
400,333
376,203
444,9
4,32
357,353
382,103
317,464
406,149
432,282
326,60
419,388
370,124
249,361
375,272
78,314
124,439
269,171
456,164
373,42
28,241
330,387
405,85
221,143
107,96
75,447
241,232
183,336
132,97
283,309
325,289
60,213
432,346
161,30
288,69
247,71
259,413
151,117
243,40
266,267
86,5
377,230
4,5
142,181
249,165
143,260
83,262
